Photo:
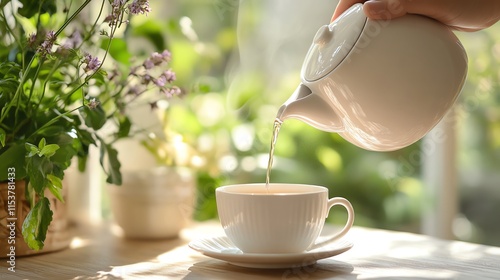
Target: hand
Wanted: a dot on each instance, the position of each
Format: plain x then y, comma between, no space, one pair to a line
464,15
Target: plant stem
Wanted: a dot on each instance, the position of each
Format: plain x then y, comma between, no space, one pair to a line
68,8
52,71
96,20
18,90
33,86
9,29
25,74
55,119
98,68
23,122
72,17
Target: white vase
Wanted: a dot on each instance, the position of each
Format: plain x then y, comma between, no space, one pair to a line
154,203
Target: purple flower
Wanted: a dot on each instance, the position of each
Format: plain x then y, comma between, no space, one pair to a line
153,60
93,63
170,92
139,7
146,79
116,12
73,41
51,36
156,59
161,81
148,64
166,55
169,75
93,103
31,40
46,47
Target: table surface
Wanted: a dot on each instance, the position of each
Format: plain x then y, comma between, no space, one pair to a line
101,253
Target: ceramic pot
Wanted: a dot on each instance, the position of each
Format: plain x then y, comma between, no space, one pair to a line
154,203
58,236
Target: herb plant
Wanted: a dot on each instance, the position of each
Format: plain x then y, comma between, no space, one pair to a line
62,80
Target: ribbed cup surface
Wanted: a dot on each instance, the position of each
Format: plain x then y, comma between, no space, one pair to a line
287,220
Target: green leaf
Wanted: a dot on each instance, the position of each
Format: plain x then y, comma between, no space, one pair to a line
3,135
203,88
13,157
100,77
110,163
94,118
124,129
49,150
55,186
56,181
32,149
82,163
85,137
68,148
3,112
153,31
118,50
30,7
29,194
76,96
42,143
36,174
8,84
52,130
36,224
11,67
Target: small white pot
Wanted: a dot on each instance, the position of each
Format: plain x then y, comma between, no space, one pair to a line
155,203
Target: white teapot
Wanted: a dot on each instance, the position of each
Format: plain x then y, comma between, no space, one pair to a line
382,85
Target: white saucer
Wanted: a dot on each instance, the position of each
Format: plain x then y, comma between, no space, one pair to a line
223,249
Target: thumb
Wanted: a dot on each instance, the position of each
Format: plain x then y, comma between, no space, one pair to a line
384,9
343,6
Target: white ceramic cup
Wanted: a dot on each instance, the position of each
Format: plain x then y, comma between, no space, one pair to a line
280,219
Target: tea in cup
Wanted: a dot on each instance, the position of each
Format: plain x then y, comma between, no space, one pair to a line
277,218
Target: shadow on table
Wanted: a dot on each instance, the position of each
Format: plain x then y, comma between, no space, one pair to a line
216,269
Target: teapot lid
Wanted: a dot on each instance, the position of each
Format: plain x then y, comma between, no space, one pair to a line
332,43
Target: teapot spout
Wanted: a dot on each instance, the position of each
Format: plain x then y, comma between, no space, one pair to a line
310,108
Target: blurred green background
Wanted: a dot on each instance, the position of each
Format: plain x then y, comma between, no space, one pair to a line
239,61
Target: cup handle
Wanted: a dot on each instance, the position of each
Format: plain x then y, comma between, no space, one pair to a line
350,220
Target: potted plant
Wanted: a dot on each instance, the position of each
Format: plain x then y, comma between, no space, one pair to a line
59,88
158,193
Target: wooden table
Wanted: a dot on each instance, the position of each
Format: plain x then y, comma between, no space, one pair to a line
100,253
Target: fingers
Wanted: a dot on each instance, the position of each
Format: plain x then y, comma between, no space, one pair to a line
375,9
465,15
380,9
343,6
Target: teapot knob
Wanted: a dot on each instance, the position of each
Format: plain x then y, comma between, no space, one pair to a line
323,36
